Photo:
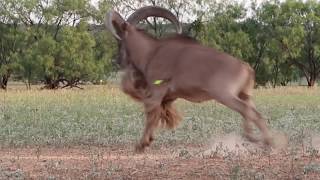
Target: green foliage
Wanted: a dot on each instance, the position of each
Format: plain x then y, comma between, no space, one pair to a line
277,39
53,42
104,51
64,42
300,36
11,44
75,50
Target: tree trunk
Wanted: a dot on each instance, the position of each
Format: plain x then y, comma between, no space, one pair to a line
50,83
4,82
276,74
28,84
311,82
259,57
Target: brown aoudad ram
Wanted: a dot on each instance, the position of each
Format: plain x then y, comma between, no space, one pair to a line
158,71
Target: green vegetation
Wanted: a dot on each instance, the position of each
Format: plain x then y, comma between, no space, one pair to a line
102,115
61,43
53,42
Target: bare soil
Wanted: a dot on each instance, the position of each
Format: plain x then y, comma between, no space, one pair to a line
158,162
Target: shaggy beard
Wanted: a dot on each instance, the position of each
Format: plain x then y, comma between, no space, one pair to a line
134,85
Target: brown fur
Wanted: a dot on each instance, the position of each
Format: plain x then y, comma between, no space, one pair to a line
190,71
134,85
168,62
170,117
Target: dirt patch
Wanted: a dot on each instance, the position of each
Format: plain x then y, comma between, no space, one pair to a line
176,162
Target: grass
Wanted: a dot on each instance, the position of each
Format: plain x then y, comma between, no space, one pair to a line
102,115
76,133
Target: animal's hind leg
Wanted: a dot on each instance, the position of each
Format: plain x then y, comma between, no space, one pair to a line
262,125
248,112
248,131
247,124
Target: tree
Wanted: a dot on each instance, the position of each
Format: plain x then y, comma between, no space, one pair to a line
11,45
75,48
300,37
63,46
224,31
264,28
64,42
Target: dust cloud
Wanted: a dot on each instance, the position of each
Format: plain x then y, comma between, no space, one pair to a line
315,141
234,143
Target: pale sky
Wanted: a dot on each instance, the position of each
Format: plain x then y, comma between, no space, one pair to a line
190,17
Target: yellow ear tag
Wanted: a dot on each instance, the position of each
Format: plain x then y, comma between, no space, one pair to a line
157,82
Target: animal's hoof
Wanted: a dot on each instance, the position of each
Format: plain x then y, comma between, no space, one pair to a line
139,148
151,139
268,142
251,138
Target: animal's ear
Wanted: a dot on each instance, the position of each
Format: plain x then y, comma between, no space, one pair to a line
113,22
118,29
124,26
121,29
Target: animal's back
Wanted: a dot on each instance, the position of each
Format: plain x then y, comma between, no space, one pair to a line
203,70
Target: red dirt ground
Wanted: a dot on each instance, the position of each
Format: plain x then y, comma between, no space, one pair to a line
176,162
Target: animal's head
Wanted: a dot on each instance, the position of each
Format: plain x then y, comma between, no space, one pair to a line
123,30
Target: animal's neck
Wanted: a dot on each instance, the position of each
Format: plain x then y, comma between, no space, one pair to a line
140,50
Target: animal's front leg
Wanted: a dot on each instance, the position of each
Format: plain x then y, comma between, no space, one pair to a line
153,111
152,121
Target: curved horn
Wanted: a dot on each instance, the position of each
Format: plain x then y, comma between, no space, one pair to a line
113,17
156,11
